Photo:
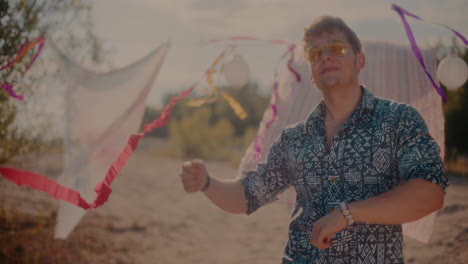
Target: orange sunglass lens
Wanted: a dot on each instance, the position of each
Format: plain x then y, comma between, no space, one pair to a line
337,48
334,48
313,54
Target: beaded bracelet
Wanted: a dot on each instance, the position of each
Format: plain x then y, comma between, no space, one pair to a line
346,213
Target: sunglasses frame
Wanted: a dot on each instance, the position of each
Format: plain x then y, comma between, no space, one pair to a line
308,48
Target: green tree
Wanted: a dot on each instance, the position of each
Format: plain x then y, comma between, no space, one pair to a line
212,131
68,23
252,102
249,97
196,137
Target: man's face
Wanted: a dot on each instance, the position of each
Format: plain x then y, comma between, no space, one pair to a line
335,70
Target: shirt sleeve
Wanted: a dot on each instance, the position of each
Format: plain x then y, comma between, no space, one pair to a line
269,179
417,152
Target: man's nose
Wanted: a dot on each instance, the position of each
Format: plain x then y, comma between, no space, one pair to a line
326,55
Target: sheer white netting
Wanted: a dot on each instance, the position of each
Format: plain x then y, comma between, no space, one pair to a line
102,111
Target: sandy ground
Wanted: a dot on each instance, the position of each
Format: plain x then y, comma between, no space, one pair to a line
149,219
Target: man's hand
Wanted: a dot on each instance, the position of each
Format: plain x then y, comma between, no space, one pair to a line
194,175
326,227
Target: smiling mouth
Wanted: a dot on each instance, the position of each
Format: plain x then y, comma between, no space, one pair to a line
329,69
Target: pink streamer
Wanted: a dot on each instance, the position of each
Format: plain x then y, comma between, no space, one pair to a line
274,106
19,54
23,45
103,189
41,42
291,69
259,139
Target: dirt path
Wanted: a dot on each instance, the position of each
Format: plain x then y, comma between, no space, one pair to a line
149,219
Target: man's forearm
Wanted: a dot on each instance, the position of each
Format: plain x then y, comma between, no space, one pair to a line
407,202
227,195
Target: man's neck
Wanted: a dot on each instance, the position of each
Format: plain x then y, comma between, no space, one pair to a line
341,102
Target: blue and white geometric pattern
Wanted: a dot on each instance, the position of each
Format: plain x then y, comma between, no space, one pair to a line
381,145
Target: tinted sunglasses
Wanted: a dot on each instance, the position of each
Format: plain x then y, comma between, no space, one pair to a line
336,48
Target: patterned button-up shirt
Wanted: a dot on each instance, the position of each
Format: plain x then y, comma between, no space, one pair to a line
382,144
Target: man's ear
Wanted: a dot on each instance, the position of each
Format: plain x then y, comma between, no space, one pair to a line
361,60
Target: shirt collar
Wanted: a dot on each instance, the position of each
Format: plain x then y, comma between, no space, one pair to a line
366,105
368,99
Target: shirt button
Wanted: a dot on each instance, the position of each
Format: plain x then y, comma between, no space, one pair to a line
333,179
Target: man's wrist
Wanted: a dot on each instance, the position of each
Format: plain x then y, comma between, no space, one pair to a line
346,213
207,184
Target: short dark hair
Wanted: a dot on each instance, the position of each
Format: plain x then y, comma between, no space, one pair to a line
330,24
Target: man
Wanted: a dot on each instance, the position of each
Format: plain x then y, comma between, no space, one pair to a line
361,165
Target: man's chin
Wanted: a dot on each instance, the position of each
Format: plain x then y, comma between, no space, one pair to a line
329,84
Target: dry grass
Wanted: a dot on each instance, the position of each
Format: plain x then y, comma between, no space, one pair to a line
27,238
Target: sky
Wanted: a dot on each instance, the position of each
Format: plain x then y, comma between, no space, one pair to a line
131,29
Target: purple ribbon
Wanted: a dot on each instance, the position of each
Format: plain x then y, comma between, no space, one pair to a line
23,45
402,12
459,35
415,48
9,89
